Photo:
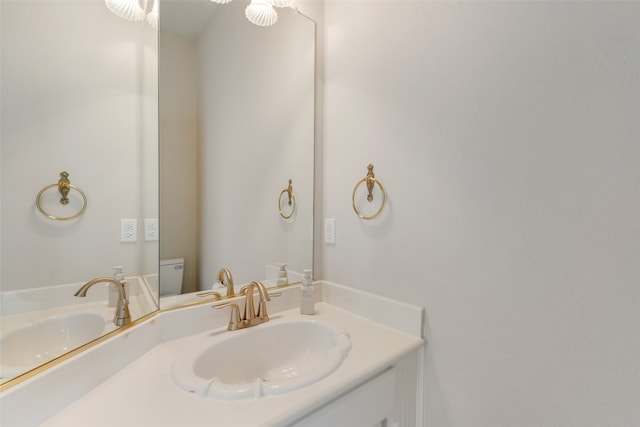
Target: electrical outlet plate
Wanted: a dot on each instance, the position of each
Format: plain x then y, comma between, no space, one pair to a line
151,229
330,231
128,230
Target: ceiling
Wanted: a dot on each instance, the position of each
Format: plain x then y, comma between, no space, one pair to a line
185,18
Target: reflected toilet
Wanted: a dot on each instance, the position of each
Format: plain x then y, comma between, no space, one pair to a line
171,273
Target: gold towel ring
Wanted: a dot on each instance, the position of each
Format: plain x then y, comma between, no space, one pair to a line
370,180
64,187
291,201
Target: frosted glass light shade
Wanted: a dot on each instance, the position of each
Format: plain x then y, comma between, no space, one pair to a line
261,12
282,3
127,9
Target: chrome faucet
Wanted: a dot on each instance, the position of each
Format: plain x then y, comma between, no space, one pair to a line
249,317
122,316
221,275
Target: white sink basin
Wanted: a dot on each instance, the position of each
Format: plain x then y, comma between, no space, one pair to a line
47,339
268,359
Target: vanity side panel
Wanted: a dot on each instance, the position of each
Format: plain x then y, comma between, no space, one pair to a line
408,407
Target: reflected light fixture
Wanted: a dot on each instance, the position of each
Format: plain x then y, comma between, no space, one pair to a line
262,12
135,10
153,17
283,3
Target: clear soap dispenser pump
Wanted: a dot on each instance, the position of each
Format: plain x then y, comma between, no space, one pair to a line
307,300
282,274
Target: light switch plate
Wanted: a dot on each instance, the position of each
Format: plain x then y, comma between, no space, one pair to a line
330,231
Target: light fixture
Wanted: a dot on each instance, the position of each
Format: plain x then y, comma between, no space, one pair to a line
262,12
135,10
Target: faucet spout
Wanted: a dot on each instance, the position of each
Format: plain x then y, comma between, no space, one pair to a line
122,316
262,290
249,309
249,317
262,305
221,275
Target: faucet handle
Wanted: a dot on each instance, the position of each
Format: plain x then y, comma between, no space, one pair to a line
243,290
209,293
262,307
234,317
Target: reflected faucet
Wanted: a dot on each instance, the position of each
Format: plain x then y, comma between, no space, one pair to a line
122,316
221,275
209,293
250,317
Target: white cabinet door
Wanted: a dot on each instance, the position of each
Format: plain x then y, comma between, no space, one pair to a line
368,405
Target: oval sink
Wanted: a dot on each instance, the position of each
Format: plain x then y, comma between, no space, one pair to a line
48,338
264,360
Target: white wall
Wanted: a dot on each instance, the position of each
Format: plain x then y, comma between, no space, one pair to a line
507,137
74,97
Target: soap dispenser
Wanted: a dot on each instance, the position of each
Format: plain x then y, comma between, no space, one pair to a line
307,300
282,275
114,295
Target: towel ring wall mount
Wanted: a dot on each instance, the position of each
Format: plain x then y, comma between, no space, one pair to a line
290,201
64,187
370,181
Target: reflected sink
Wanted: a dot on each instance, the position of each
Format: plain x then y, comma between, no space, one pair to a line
47,339
264,360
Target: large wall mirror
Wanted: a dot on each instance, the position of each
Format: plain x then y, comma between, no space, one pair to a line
236,124
78,94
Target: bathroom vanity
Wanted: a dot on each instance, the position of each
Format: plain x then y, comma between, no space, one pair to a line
376,383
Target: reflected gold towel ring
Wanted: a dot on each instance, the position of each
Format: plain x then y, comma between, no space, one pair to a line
291,201
370,180
64,187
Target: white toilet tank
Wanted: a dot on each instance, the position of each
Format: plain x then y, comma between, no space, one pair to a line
171,272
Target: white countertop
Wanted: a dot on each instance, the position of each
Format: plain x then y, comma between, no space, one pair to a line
143,393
